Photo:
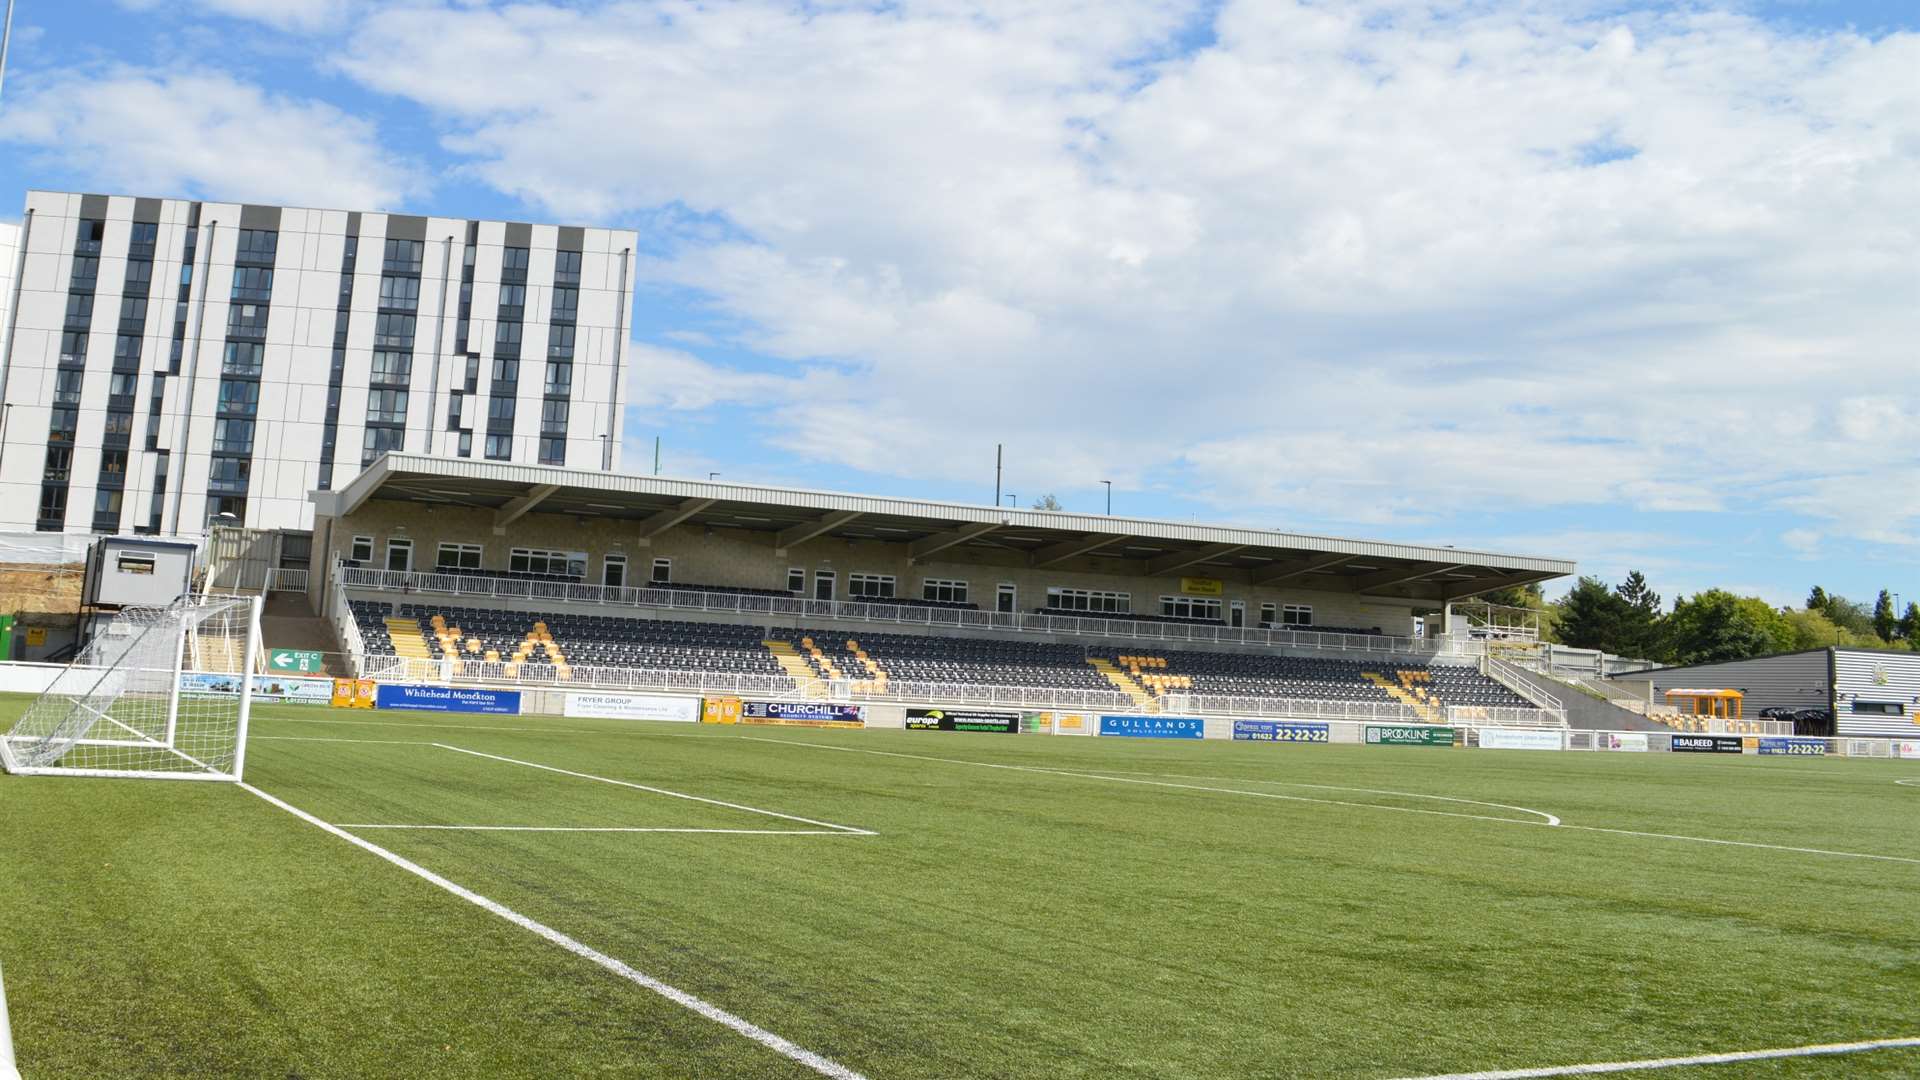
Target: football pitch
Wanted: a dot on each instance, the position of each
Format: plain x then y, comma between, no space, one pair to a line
448,895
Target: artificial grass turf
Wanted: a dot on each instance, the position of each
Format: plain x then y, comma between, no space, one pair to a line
1003,922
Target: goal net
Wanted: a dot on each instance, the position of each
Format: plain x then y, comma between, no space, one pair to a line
159,692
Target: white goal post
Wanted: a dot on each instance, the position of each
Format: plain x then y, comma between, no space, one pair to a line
159,693
8,1070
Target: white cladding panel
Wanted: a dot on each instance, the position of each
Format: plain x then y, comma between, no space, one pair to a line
1885,684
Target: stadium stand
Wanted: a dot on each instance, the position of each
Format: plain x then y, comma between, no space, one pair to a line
873,660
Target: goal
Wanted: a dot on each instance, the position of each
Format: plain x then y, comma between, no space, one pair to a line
160,693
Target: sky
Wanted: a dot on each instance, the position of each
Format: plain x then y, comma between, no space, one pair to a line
1631,283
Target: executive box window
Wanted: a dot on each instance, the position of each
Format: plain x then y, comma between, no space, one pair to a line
796,580
553,563
613,571
1090,600
823,585
400,555
362,549
457,557
662,571
1296,615
1007,600
943,591
1268,614
1879,708
870,586
1189,607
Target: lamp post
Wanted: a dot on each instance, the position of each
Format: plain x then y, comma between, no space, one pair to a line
712,476
1109,484
1012,499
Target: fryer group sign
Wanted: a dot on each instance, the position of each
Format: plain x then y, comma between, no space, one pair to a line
633,707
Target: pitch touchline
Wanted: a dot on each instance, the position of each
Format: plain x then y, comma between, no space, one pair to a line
454,727
660,791
823,1065
607,829
1336,802
1649,1064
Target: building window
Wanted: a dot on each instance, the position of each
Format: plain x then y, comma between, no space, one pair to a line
551,563
1879,708
59,464
249,283
1268,613
501,409
256,246
566,268
1190,607
823,585
1238,614
393,331
237,397
553,417
499,447
1007,601
457,557
566,304
1296,615
243,358
386,406
870,586
229,475
943,591
66,386
1089,600
559,379
662,571
362,549
796,580
400,555
404,256
553,450
53,507
381,440
465,448
513,264
400,293
560,341
613,571
391,367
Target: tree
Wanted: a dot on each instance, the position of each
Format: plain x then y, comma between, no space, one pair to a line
1047,502
1716,626
1639,618
1592,616
1884,622
1841,611
1910,625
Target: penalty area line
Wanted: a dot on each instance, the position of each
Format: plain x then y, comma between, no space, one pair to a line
849,829
1650,1064
793,1051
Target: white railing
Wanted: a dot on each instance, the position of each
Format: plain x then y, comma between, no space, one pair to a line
1515,679
344,624
286,579
1391,712
761,607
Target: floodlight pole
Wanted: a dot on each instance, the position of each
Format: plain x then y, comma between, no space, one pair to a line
1109,484
6,38
998,457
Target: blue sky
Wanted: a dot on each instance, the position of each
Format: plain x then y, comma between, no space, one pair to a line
1630,283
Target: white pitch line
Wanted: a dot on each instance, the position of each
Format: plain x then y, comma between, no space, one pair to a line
1649,1064
823,1065
1157,783
604,829
1369,806
660,791
1908,783
1550,818
316,738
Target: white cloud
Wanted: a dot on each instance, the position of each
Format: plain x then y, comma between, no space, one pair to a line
284,14
1343,262
205,133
